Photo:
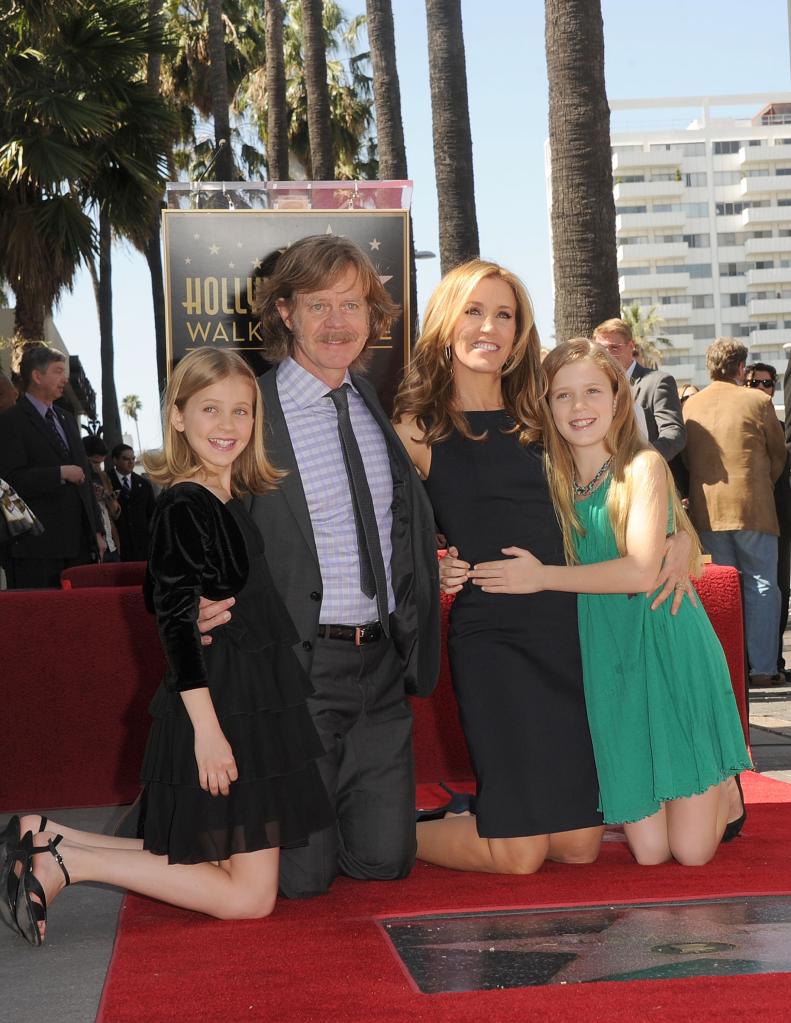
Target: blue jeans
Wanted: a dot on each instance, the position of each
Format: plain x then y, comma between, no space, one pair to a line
755,556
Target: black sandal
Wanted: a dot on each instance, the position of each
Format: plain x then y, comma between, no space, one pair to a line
30,914
733,828
459,802
10,855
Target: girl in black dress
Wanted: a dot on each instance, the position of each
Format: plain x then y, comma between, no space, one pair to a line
229,771
467,413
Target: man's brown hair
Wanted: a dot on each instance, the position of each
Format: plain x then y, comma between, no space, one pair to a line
615,326
723,358
308,265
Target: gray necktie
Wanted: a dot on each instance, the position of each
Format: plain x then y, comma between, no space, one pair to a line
373,581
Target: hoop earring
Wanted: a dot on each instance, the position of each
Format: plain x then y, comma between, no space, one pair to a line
448,354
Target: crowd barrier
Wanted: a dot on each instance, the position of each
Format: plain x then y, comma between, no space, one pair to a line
80,665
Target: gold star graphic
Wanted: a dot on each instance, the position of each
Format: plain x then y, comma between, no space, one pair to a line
187,260
374,245
214,249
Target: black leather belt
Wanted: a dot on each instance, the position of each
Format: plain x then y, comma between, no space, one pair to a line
357,634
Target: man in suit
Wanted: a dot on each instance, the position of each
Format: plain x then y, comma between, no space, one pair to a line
354,558
42,457
655,392
735,452
136,498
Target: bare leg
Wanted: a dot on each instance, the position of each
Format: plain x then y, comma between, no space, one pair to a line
580,846
687,830
695,825
648,838
31,822
455,843
243,887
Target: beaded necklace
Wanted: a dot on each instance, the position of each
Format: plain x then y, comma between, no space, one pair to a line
588,488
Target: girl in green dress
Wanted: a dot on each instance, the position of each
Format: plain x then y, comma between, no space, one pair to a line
666,733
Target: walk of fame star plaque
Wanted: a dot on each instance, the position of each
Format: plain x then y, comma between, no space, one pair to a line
578,945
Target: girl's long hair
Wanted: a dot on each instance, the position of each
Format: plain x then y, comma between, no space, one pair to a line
252,472
623,442
427,394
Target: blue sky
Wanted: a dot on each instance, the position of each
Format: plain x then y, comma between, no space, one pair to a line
672,48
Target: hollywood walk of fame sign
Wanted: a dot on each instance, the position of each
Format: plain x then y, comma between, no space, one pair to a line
213,258
577,945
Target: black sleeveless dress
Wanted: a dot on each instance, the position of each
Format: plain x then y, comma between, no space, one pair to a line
200,546
515,659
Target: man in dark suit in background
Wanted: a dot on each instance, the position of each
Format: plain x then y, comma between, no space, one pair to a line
655,392
351,544
136,497
42,457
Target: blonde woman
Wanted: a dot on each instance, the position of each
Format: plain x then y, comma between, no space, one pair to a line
230,769
469,415
666,731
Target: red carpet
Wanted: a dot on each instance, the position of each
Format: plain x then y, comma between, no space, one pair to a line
326,959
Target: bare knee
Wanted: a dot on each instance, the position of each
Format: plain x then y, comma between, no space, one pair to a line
519,855
248,906
693,856
576,846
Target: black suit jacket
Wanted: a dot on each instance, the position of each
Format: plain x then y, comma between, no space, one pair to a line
30,460
657,392
137,507
283,518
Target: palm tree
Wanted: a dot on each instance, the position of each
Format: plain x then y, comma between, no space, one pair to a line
391,150
131,405
277,113
84,135
322,162
220,96
458,225
645,327
583,209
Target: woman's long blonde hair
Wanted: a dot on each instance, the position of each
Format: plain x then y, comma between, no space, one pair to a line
252,471
427,394
623,442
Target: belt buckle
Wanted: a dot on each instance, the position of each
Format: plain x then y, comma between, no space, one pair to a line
358,634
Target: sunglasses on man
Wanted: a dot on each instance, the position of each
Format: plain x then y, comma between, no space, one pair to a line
768,384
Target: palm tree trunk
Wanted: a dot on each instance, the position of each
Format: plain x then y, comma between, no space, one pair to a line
389,125
153,255
583,209
154,60
29,315
218,83
458,225
151,246
276,110
111,420
322,161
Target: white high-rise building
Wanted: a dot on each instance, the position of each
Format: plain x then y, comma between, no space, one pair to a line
703,225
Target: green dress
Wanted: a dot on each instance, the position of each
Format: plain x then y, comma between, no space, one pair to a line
661,708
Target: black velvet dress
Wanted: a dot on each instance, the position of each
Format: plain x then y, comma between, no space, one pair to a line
515,659
202,547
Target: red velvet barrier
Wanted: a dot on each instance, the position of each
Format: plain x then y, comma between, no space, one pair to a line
440,749
80,666
114,573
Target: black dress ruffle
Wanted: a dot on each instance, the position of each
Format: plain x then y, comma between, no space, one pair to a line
201,547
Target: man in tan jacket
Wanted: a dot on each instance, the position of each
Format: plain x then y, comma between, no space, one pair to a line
735,451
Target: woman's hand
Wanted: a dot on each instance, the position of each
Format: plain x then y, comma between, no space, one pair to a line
212,613
674,574
522,573
216,764
453,572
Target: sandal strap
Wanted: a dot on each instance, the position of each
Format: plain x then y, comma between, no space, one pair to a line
52,846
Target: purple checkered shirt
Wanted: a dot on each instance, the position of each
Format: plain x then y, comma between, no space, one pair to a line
313,427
